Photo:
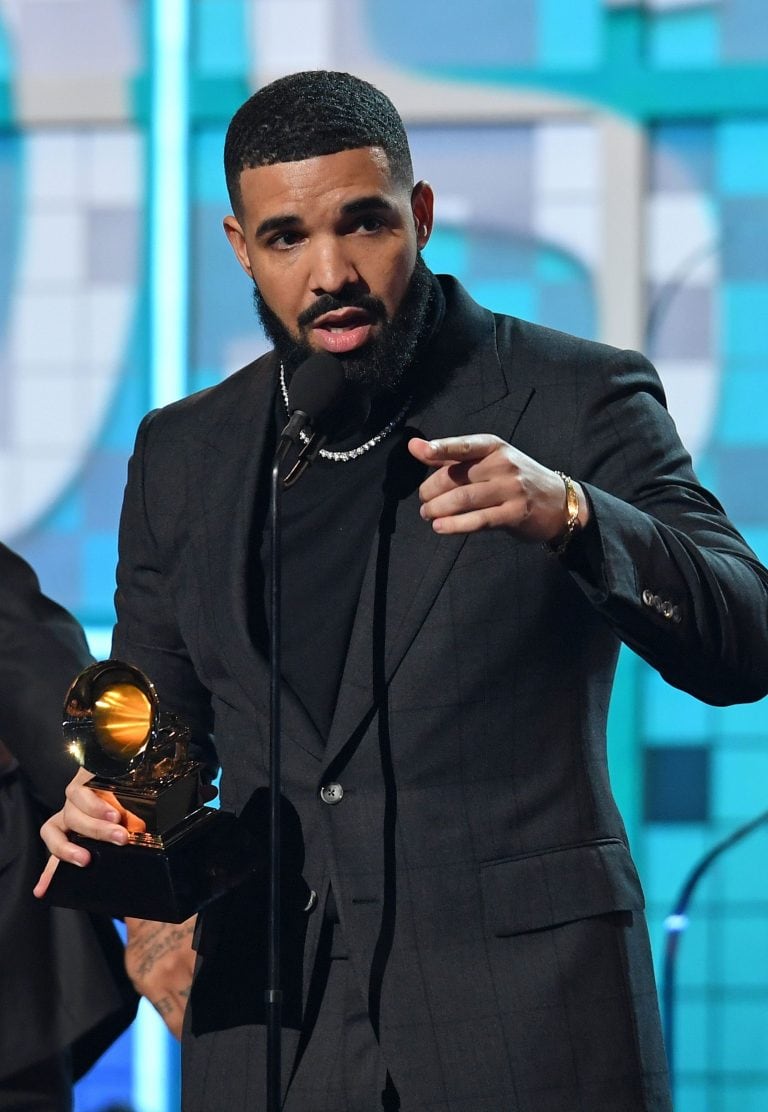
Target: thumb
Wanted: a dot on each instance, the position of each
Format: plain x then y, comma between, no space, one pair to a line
423,451
454,449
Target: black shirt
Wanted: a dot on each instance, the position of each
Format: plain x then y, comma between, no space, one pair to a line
328,524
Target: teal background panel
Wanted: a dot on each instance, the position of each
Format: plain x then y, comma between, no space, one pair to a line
739,779
447,251
672,715
745,307
742,163
743,725
744,406
684,39
220,44
569,34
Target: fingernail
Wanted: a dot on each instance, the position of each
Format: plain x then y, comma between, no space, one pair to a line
119,837
81,860
111,816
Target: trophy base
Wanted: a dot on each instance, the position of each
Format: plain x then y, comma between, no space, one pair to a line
209,854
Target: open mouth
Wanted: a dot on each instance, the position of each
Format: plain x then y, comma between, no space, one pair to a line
342,330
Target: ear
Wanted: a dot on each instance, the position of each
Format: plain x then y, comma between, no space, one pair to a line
423,209
237,242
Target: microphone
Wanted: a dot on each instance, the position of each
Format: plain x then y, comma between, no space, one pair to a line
315,393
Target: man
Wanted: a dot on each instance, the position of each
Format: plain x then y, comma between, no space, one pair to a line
463,922
63,994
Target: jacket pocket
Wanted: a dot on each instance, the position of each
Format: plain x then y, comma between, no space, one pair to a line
558,886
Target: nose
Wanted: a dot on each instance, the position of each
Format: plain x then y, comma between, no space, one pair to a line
332,268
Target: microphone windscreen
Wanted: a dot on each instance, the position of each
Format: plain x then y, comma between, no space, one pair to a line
317,387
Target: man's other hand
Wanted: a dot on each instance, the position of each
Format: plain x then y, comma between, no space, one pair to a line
159,960
481,482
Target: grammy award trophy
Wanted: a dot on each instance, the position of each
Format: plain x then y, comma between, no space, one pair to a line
180,854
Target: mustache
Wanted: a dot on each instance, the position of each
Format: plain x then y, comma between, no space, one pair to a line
327,303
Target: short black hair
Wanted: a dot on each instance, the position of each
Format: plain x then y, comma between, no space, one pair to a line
313,113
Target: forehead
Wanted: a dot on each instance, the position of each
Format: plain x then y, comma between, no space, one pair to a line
323,183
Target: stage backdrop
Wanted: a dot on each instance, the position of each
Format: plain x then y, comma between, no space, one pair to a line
600,167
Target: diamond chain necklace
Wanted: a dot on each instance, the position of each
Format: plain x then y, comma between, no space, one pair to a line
352,453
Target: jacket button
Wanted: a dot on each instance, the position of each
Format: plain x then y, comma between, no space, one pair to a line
331,793
311,903
648,597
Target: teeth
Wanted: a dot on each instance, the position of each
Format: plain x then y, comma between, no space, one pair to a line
343,327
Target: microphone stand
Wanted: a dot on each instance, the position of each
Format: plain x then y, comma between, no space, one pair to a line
323,400
273,996
677,922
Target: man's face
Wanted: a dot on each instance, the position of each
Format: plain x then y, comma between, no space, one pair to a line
331,244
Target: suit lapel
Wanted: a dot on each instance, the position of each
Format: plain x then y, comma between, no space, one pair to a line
409,563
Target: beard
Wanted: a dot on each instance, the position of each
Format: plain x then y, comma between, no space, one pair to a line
377,367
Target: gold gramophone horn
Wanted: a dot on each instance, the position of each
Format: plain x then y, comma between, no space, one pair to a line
122,720
110,716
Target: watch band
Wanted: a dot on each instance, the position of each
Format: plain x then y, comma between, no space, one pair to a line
572,507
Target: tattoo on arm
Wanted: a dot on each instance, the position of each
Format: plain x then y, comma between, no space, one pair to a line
157,940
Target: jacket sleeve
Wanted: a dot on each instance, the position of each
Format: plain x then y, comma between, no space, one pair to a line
660,560
147,633
42,649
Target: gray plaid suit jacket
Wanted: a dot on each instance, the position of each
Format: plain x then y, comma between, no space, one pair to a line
486,892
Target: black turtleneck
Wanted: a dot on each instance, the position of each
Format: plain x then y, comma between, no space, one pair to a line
329,520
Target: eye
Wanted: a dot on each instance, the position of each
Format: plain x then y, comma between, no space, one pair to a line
285,240
369,224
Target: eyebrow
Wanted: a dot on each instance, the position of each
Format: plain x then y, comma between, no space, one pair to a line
277,223
373,203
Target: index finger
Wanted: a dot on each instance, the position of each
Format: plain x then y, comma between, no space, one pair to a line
453,449
45,877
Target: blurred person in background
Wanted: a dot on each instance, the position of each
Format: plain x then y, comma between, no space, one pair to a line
64,996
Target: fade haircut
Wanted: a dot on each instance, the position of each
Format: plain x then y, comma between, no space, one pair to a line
313,113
